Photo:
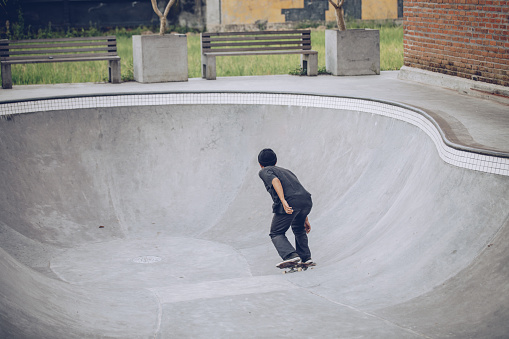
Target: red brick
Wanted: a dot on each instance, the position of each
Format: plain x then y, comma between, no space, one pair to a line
458,37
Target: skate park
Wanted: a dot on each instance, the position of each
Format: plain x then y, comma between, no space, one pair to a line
136,210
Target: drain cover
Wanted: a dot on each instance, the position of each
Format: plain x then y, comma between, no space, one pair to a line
147,259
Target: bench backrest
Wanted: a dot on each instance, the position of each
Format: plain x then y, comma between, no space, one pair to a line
57,48
256,41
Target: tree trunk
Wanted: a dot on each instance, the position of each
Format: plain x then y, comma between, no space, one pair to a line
162,26
340,15
340,19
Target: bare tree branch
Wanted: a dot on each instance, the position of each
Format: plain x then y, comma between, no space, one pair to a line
169,5
162,16
156,9
339,4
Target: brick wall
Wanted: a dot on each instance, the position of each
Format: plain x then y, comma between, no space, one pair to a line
464,38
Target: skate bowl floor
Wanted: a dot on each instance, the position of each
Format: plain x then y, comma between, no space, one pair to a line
143,216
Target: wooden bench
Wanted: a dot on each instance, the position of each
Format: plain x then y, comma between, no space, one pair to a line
59,50
257,43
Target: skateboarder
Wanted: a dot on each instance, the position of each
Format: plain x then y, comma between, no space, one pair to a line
292,204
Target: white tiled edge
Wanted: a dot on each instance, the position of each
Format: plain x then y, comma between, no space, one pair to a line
456,157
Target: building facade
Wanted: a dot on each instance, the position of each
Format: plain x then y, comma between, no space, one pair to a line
200,14
108,13
464,38
222,14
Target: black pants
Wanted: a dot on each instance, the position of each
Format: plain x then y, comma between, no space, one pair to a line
282,222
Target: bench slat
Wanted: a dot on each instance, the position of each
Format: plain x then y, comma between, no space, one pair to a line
259,53
112,37
208,34
255,38
58,57
57,51
305,49
38,61
71,45
262,43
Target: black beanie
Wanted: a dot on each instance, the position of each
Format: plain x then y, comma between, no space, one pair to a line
267,157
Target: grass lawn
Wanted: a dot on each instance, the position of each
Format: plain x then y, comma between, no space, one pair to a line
391,58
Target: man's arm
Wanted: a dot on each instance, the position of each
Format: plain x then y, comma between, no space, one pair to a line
276,183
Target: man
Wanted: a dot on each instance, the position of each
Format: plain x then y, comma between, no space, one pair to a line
292,204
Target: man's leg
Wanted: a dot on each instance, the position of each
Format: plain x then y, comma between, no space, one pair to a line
301,237
301,242
280,224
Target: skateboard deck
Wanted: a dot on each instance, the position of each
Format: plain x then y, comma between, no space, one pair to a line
293,267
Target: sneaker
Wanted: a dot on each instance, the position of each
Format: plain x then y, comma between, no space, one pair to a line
308,262
285,263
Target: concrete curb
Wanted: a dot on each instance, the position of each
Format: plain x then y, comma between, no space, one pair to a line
463,86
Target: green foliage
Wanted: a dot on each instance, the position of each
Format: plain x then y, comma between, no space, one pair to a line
297,71
16,30
18,27
128,73
310,24
350,24
300,71
323,71
261,24
194,56
391,57
371,24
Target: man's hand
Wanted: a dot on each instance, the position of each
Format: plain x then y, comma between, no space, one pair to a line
288,209
307,226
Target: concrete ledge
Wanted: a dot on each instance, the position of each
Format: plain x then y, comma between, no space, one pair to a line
465,156
464,86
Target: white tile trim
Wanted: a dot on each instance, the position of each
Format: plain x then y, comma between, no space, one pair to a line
456,156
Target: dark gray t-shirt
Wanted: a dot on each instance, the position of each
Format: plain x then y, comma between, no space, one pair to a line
292,188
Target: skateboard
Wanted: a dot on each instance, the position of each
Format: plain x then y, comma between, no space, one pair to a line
296,267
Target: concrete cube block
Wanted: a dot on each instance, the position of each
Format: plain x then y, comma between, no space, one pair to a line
160,58
352,52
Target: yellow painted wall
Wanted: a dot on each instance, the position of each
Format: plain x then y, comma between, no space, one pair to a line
372,10
379,9
241,12
235,12
330,15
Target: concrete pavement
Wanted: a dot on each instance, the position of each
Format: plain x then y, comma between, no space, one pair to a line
150,221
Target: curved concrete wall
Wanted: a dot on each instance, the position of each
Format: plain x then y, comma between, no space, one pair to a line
143,216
